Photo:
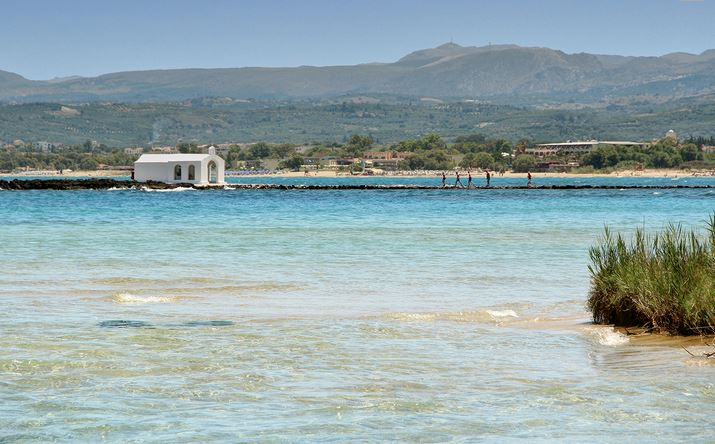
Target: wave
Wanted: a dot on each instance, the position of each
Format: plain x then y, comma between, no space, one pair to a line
503,313
607,336
479,316
168,190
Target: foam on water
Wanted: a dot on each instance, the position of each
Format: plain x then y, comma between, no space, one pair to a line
132,299
606,335
503,313
477,316
168,190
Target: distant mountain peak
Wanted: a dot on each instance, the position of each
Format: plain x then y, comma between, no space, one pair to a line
448,70
449,45
432,54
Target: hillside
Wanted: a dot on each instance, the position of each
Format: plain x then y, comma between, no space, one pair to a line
506,73
218,121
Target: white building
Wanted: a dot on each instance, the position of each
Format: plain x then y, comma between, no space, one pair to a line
133,151
580,147
198,169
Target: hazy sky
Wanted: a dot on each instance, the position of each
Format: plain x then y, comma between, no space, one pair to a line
41,39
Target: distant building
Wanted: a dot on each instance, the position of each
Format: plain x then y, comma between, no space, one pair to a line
164,150
45,147
389,160
577,148
336,162
198,169
671,135
133,151
330,162
221,150
387,155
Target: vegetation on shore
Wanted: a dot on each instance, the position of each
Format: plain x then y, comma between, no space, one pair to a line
429,152
664,281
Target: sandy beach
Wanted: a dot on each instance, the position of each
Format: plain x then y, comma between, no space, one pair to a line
80,173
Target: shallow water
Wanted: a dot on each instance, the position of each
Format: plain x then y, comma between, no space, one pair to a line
331,315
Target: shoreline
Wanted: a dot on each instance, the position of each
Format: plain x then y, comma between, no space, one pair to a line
645,174
108,183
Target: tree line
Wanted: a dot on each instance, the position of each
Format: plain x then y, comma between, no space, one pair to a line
428,152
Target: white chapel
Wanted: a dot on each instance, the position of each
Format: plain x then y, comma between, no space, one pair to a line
197,169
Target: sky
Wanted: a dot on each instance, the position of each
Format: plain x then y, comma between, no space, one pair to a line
43,39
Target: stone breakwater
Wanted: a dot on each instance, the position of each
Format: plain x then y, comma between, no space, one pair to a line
105,184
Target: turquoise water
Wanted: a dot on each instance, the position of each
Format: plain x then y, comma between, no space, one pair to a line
430,316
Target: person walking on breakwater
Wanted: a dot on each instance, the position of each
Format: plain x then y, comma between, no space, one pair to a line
458,182
444,180
528,176
469,180
489,178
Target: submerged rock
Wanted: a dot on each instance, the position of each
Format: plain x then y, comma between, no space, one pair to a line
122,323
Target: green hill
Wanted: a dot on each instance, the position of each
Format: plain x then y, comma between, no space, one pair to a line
386,119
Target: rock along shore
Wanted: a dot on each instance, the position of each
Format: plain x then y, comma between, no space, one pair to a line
105,184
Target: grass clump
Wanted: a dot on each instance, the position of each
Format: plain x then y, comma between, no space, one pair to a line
665,281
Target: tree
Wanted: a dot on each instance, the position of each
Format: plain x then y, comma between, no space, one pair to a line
690,152
468,161
259,150
663,159
429,160
602,157
481,160
188,147
432,141
522,145
524,163
294,162
282,150
484,161
363,142
357,145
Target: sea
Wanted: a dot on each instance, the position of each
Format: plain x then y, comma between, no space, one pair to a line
443,315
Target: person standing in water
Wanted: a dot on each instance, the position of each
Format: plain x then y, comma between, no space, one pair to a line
458,182
444,180
528,176
489,178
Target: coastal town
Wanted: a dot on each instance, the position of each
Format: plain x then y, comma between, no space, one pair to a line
429,155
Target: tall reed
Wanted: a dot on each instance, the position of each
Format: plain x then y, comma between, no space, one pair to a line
665,281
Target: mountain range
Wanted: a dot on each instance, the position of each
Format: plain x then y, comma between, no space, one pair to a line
450,71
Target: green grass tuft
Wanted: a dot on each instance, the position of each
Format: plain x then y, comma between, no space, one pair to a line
664,281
